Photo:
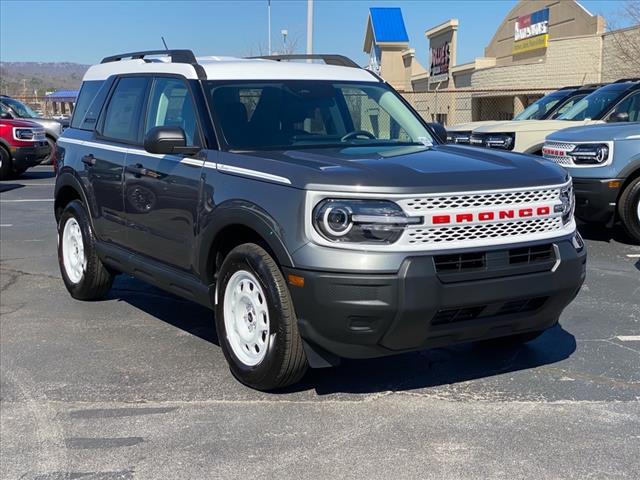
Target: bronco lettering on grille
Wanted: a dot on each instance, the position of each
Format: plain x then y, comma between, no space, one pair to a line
491,215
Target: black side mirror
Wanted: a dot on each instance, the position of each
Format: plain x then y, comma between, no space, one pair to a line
168,141
619,117
440,131
5,116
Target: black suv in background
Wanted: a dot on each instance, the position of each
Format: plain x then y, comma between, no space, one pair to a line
310,207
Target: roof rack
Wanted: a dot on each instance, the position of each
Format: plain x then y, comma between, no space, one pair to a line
332,59
623,80
176,56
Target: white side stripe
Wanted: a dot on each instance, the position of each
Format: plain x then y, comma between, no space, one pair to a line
252,173
133,151
187,161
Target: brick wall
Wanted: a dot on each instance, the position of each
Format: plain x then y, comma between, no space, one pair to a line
568,61
617,48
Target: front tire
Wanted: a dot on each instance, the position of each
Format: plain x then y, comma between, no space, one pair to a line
5,164
255,320
83,273
629,209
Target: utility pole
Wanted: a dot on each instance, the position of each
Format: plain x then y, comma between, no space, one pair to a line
309,27
269,24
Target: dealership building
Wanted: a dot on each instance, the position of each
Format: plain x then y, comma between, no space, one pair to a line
539,46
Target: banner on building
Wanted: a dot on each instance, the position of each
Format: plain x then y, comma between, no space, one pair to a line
440,59
531,32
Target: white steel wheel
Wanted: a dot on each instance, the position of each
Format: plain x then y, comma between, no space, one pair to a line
73,256
246,318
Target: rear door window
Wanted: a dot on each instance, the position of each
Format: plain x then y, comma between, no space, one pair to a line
124,111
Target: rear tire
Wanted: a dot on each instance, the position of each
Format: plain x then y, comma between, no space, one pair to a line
629,209
83,273
255,320
5,164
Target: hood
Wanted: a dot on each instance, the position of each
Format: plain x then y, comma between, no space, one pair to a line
414,169
469,126
530,126
51,126
15,122
598,133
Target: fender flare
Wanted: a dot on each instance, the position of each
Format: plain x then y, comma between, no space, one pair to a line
535,148
246,214
66,178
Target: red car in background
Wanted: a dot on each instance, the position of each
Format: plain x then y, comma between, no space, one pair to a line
23,144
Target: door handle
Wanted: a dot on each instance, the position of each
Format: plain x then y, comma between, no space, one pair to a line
137,169
89,160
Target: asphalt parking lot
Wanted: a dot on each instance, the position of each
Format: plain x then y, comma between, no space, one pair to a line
136,387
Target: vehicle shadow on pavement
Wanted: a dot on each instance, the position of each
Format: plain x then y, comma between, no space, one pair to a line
415,370
440,366
183,314
601,233
37,175
7,187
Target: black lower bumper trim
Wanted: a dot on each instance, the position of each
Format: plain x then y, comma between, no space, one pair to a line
595,198
362,316
25,157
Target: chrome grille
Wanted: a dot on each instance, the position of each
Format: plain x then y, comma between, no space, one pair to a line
489,199
463,233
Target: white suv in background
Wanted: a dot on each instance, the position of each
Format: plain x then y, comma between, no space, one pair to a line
617,102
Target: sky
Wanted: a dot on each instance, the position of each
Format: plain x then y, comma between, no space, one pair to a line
87,31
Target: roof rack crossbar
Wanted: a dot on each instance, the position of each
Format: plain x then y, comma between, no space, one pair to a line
339,60
176,56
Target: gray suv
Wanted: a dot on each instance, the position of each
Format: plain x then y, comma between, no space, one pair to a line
604,161
310,207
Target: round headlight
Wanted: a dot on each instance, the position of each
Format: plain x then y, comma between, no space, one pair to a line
337,220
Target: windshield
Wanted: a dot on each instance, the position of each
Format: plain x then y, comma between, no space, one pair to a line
539,109
22,110
260,115
591,106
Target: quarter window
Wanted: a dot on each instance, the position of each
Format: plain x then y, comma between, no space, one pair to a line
122,118
171,106
86,96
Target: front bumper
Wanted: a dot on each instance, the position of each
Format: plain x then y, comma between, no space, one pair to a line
422,306
595,199
25,157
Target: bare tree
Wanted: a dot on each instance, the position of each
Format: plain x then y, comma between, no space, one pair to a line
627,40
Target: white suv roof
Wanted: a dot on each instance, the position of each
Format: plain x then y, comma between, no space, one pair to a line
230,68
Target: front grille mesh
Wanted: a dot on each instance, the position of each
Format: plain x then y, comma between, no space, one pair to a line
559,159
459,233
490,199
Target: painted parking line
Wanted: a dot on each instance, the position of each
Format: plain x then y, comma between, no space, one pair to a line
28,200
629,338
3,225
633,255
